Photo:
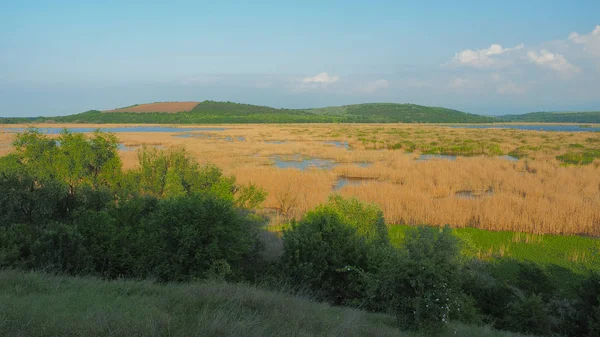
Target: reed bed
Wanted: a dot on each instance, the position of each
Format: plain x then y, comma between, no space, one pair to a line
537,194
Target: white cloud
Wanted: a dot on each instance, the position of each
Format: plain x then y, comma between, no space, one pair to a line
375,86
590,42
482,58
322,78
556,62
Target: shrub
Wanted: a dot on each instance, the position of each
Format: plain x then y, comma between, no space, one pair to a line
334,248
587,320
528,314
193,233
421,281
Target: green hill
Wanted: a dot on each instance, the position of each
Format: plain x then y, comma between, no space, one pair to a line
554,117
228,112
213,112
405,113
36,305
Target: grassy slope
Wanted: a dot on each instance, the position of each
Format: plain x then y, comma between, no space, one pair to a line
554,117
35,305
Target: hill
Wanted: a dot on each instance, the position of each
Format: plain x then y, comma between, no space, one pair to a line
554,117
227,112
405,113
36,305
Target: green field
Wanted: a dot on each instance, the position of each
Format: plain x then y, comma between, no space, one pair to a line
576,253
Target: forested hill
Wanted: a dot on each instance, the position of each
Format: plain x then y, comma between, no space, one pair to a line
212,112
554,117
407,113
228,112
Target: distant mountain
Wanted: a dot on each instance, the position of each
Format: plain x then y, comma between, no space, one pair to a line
554,117
211,112
229,112
405,113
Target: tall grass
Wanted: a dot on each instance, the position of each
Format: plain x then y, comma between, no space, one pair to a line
536,194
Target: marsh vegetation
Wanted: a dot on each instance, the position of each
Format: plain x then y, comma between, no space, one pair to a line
219,208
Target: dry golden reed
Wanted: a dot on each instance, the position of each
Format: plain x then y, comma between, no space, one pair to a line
536,194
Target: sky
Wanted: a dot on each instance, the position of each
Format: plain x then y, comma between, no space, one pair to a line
486,57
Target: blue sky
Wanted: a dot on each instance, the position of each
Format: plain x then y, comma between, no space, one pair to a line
487,57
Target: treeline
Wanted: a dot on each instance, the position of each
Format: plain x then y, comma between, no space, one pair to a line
211,112
554,117
67,206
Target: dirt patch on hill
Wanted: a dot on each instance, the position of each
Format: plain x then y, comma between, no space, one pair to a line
170,107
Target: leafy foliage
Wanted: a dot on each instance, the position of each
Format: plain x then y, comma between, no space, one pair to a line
332,248
67,206
421,281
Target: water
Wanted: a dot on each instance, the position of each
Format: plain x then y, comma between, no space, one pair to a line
275,141
338,144
54,131
436,156
467,194
509,158
193,135
125,148
564,128
302,164
348,181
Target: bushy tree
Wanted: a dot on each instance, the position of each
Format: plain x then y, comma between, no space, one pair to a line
195,233
420,282
331,252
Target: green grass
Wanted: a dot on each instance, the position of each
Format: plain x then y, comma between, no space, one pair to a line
576,253
36,305
580,158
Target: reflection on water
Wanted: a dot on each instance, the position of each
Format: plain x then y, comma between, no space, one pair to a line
338,144
350,181
298,162
436,156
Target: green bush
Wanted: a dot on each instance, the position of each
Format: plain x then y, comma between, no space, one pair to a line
421,281
528,314
334,248
195,233
587,318
69,207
